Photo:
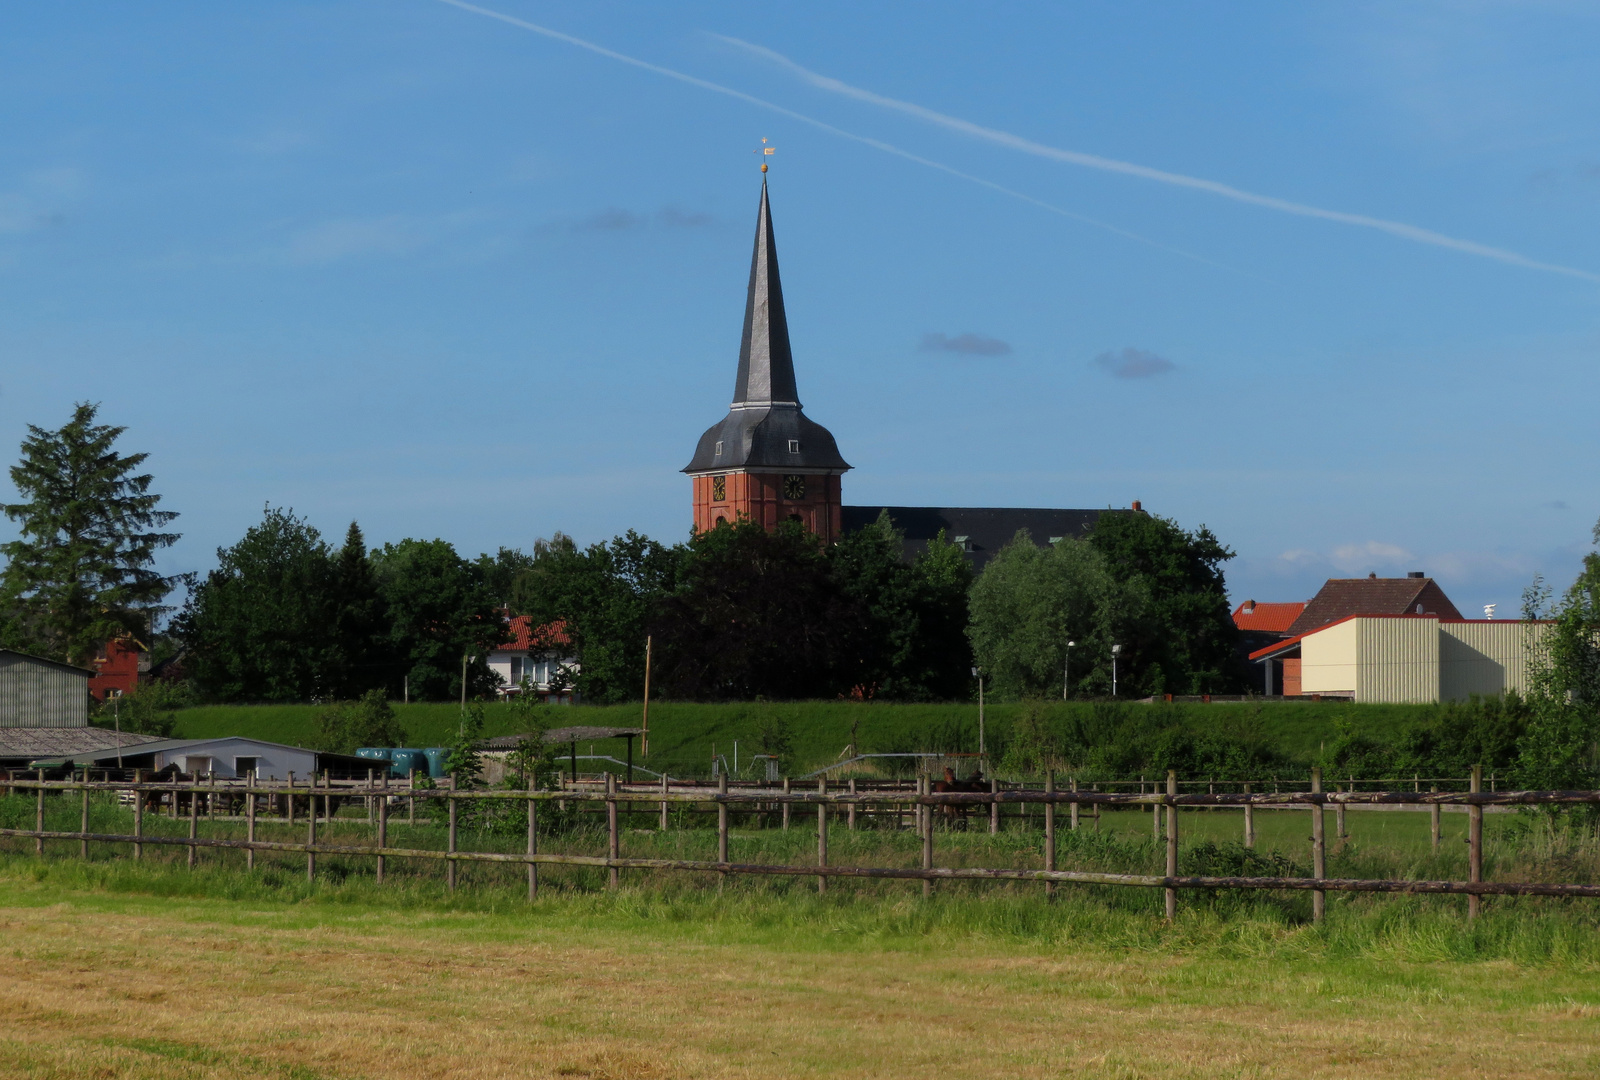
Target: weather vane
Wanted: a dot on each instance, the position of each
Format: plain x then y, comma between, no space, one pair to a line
765,151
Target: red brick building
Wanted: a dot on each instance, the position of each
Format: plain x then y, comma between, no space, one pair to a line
117,668
766,460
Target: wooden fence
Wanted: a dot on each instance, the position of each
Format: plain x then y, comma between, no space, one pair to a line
922,802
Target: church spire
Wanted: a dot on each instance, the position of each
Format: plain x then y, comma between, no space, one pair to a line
766,366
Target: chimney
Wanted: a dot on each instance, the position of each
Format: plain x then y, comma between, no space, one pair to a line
1416,573
1136,506
1374,574
1249,607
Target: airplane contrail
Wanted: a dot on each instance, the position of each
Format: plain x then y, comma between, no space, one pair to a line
1128,168
876,144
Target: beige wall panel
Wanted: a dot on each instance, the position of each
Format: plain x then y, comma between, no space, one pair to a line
1485,658
1328,660
1398,660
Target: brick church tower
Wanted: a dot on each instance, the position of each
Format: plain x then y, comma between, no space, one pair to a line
766,460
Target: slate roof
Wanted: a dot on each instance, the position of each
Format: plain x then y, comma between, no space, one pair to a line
986,528
1267,618
22,742
765,427
1340,598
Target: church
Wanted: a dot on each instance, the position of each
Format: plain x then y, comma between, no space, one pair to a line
769,462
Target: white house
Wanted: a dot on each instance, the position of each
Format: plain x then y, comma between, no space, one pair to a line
539,656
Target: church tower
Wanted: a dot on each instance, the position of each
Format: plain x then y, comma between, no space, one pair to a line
767,460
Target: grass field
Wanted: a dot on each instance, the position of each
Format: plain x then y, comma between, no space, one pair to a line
683,736
147,976
122,969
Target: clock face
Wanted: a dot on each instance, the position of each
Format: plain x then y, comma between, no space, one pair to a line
794,487
719,488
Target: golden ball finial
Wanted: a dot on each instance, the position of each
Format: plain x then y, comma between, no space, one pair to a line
763,166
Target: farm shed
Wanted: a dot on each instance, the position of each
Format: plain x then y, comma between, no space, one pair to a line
40,693
1408,658
20,747
230,757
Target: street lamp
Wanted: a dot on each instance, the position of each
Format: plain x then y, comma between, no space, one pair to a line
977,673
1066,670
1116,650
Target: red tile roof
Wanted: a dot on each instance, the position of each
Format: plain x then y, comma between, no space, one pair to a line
523,635
1340,598
1267,618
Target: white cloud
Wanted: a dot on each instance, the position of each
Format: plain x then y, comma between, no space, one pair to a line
1369,557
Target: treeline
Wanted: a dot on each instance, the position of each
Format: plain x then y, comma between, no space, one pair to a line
735,613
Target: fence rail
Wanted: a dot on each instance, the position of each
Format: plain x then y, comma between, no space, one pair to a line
922,801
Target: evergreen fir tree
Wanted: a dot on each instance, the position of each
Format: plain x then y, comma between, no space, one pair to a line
80,573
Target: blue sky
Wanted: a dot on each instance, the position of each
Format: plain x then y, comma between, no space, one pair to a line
410,264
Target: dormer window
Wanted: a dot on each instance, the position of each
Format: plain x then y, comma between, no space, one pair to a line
794,446
719,448
964,542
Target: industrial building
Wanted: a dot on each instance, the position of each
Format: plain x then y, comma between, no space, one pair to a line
40,693
1405,658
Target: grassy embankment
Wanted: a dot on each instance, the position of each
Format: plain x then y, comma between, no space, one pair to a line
126,970
682,736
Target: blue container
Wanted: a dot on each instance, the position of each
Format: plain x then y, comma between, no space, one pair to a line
437,756
407,759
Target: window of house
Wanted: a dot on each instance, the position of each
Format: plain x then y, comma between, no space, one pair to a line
244,766
719,487
794,446
194,764
719,448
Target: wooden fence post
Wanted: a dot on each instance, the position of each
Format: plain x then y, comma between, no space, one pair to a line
722,828
1155,813
613,841
311,825
1338,819
1319,855
450,864
411,799
926,786
138,813
1050,831
83,845
1172,843
994,806
533,845
786,789
1096,812
1072,808
383,831
1435,821
822,833
288,801
1475,844
664,802
851,813
194,820
1249,821
250,818
38,816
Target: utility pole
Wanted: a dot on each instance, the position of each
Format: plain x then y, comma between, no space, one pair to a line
1115,650
1066,670
644,741
982,750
